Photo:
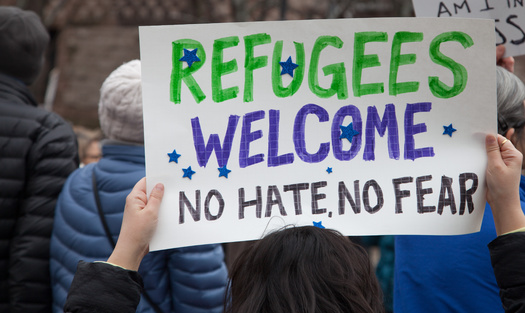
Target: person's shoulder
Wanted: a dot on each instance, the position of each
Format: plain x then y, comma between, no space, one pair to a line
52,120
202,258
81,174
36,118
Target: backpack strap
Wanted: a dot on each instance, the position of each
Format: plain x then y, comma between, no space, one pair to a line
102,217
100,212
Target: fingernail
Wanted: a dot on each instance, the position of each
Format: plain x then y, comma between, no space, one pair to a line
490,140
159,187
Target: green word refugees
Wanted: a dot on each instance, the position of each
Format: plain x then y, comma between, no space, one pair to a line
339,85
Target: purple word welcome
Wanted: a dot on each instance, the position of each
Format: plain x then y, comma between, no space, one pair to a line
374,124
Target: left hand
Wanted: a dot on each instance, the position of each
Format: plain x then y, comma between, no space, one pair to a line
138,225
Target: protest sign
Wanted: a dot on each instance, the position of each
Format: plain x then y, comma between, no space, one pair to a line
509,17
367,126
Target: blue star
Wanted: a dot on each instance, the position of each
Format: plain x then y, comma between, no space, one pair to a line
329,170
288,67
223,171
190,56
449,130
174,156
319,225
348,132
188,172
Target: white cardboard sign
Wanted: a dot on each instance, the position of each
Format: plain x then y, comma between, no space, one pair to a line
509,17
380,130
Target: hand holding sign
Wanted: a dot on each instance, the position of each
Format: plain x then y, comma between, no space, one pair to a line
138,225
503,175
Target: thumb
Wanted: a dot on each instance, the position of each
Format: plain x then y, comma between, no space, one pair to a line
155,197
493,151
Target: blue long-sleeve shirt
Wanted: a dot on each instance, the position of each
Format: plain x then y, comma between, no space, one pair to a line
448,273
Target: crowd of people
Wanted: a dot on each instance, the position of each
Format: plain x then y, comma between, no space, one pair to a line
75,232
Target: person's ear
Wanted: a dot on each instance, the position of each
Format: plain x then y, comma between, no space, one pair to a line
510,135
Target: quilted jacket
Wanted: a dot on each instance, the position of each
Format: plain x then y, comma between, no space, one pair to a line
191,279
38,151
507,254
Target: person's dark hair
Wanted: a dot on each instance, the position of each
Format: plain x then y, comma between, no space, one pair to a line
510,97
303,270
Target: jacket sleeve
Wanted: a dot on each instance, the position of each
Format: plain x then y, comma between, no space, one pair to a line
51,158
198,276
507,254
102,287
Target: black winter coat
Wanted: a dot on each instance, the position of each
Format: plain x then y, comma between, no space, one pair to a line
102,287
38,150
507,254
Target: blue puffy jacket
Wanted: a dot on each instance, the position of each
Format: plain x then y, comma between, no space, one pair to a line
190,279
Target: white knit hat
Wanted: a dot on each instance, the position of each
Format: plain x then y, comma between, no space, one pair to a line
120,105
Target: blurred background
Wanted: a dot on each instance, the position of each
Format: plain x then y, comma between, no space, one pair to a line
91,38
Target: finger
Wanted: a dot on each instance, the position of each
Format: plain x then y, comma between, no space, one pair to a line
500,51
492,144
505,144
508,64
155,197
137,196
511,156
493,149
140,186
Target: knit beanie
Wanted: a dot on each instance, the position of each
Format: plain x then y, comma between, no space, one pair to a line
23,41
120,105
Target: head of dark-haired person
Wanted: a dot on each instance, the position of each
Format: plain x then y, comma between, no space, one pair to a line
303,270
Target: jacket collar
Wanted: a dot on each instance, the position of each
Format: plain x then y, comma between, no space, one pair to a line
14,91
121,152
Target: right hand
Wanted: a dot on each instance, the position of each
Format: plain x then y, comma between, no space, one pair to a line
503,180
138,225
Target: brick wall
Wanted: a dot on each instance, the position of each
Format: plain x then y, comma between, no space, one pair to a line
92,38
85,57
